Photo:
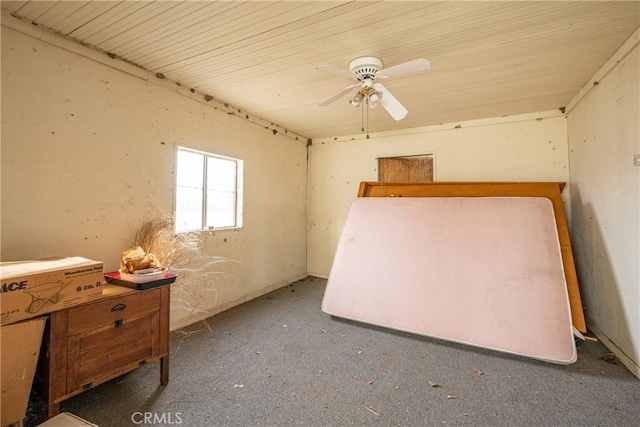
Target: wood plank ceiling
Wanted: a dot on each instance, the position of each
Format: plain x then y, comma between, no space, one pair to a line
489,59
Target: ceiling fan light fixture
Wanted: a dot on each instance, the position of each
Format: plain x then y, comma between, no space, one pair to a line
357,99
373,96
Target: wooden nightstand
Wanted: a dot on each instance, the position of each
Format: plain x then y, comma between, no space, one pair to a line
89,344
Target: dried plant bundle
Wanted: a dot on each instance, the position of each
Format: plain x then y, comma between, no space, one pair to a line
195,288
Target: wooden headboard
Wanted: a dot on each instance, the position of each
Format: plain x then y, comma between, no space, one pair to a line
549,190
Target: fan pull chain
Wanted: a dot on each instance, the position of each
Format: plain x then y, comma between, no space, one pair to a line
367,120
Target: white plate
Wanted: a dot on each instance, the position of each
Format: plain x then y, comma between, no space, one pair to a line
142,278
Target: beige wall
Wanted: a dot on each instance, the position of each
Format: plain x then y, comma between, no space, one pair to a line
530,147
88,155
604,135
88,150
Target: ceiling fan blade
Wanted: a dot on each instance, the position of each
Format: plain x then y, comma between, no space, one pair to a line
338,71
406,68
390,103
338,95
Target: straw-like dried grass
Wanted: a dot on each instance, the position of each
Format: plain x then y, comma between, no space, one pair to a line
182,254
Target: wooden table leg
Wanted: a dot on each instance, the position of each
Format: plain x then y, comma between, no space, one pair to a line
164,370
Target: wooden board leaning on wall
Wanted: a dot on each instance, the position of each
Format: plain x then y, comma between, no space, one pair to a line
549,190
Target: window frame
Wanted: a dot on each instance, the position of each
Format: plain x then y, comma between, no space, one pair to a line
238,193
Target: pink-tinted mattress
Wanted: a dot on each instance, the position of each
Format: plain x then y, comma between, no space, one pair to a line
482,271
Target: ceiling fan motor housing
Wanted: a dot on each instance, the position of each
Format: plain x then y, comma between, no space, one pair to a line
366,67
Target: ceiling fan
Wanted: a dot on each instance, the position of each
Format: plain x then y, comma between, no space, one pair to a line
366,70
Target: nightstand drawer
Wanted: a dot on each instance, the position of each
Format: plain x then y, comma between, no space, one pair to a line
104,354
106,313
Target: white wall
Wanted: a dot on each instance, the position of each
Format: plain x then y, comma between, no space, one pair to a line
604,135
88,155
530,147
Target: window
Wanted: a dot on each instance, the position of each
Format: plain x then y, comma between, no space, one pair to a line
208,191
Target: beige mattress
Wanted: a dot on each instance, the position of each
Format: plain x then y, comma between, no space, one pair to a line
482,271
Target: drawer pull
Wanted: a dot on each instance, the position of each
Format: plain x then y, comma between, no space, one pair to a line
118,307
119,323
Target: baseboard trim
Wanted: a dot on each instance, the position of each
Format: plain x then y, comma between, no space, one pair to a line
190,320
629,363
319,275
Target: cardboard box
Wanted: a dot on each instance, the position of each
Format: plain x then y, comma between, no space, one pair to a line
20,350
67,419
32,288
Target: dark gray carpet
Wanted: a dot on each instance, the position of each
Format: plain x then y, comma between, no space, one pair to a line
278,360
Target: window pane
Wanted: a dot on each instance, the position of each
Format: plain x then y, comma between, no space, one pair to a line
221,209
221,192
188,209
221,174
189,191
190,169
